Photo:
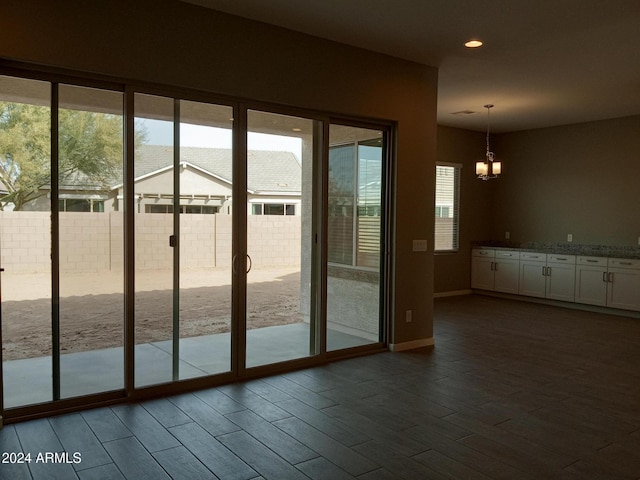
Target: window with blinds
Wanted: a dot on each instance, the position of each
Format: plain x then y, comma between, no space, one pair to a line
355,203
447,216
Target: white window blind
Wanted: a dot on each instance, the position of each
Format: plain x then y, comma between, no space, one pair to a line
447,216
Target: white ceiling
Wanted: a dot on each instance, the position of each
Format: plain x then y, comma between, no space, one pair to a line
543,63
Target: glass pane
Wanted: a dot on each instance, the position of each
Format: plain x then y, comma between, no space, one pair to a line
91,243
183,315
354,236
25,240
447,193
279,169
205,240
153,172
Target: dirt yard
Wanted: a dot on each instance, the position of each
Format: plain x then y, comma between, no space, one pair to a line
92,308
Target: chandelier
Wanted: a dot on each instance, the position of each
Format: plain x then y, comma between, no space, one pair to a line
488,168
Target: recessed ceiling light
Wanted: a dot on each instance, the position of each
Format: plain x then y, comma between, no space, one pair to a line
473,44
296,129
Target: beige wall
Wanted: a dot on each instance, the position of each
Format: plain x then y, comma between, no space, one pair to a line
179,44
581,179
452,270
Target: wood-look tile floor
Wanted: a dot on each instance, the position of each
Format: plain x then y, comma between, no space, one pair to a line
512,390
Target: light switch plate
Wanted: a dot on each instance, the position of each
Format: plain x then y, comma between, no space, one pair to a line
419,245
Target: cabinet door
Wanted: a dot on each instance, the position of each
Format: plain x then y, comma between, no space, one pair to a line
506,276
482,273
561,281
591,285
623,289
532,279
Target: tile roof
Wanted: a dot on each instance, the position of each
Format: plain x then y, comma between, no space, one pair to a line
268,171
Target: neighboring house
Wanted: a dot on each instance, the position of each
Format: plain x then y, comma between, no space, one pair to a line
274,184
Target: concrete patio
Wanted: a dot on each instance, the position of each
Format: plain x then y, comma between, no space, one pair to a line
28,381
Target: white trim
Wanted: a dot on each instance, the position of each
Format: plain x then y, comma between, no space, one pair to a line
401,347
453,293
284,194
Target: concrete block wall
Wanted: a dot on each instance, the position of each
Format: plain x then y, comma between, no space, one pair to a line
152,241
85,242
274,240
25,241
94,242
223,241
198,241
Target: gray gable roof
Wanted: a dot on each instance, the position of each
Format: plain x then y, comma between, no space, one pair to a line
268,171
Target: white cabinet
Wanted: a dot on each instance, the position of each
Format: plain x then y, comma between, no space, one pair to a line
505,269
547,275
561,277
607,282
591,280
495,270
482,260
613,282
532,279
623,284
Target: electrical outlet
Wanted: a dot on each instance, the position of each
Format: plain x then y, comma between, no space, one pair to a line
407,316
507,235
570,237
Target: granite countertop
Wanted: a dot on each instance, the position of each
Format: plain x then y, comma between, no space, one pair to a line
615,251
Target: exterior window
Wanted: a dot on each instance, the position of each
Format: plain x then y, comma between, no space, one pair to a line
193,209
158,208
273,209
355,203
447,207
80,205
199,209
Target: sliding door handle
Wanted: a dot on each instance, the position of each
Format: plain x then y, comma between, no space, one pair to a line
233,264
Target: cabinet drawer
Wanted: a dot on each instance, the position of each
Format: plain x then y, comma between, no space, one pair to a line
594,261
483,252
624,263
533,256
507,254
557,258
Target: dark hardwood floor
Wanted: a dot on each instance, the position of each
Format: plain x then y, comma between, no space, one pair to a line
512,390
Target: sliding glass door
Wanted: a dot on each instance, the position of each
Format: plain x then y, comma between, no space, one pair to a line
147,239
61,241
90,240
355,207
183,191
280,164
25,241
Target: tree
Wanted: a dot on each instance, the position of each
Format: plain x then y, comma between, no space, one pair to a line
90,151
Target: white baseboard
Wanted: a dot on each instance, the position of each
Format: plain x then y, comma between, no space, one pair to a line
400,347
454,293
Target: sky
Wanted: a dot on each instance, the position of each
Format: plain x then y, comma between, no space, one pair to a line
161,133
